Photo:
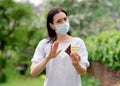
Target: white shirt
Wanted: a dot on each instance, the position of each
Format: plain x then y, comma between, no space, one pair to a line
60,71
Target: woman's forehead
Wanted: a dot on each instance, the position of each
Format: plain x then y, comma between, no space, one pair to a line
58,16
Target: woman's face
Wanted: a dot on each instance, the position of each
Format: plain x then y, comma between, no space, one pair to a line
59,18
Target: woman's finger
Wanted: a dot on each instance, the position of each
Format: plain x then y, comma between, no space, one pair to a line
58,52
78,56
75,56
55,46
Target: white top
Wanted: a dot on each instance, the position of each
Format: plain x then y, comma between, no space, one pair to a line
60,71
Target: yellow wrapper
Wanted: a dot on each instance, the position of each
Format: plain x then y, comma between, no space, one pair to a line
75,48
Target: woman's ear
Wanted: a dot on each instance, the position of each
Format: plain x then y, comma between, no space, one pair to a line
52,26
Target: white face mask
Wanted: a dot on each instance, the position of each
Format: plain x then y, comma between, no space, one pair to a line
62,28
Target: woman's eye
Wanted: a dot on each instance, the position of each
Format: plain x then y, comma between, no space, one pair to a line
65,19
58,21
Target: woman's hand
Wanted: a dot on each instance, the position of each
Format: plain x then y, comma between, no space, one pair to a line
54,50
75,58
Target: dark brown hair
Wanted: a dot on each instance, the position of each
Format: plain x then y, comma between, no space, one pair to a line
51,14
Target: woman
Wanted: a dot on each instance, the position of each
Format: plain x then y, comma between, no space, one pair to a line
62,68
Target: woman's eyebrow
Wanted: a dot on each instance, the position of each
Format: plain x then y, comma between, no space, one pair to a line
61,19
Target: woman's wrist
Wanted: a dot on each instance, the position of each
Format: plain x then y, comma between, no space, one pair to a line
75,64
48,58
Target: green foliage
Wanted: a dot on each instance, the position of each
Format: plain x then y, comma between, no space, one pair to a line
115,6
2,66
2,61
89,81
105,47
19,34
3,77
12,16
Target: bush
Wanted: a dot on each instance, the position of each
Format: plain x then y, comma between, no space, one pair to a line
89,81
105,47
2,77
2,67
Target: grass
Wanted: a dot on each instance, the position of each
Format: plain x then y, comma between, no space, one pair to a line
38,81
15,79
89,81
24,82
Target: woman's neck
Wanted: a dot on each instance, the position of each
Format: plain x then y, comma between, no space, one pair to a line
63,38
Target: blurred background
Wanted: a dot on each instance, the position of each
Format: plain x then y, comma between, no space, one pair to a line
23,25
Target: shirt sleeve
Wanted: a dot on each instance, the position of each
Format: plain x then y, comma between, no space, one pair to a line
84,55
39,53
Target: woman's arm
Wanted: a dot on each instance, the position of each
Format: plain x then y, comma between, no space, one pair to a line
75,58
81,69
38,67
